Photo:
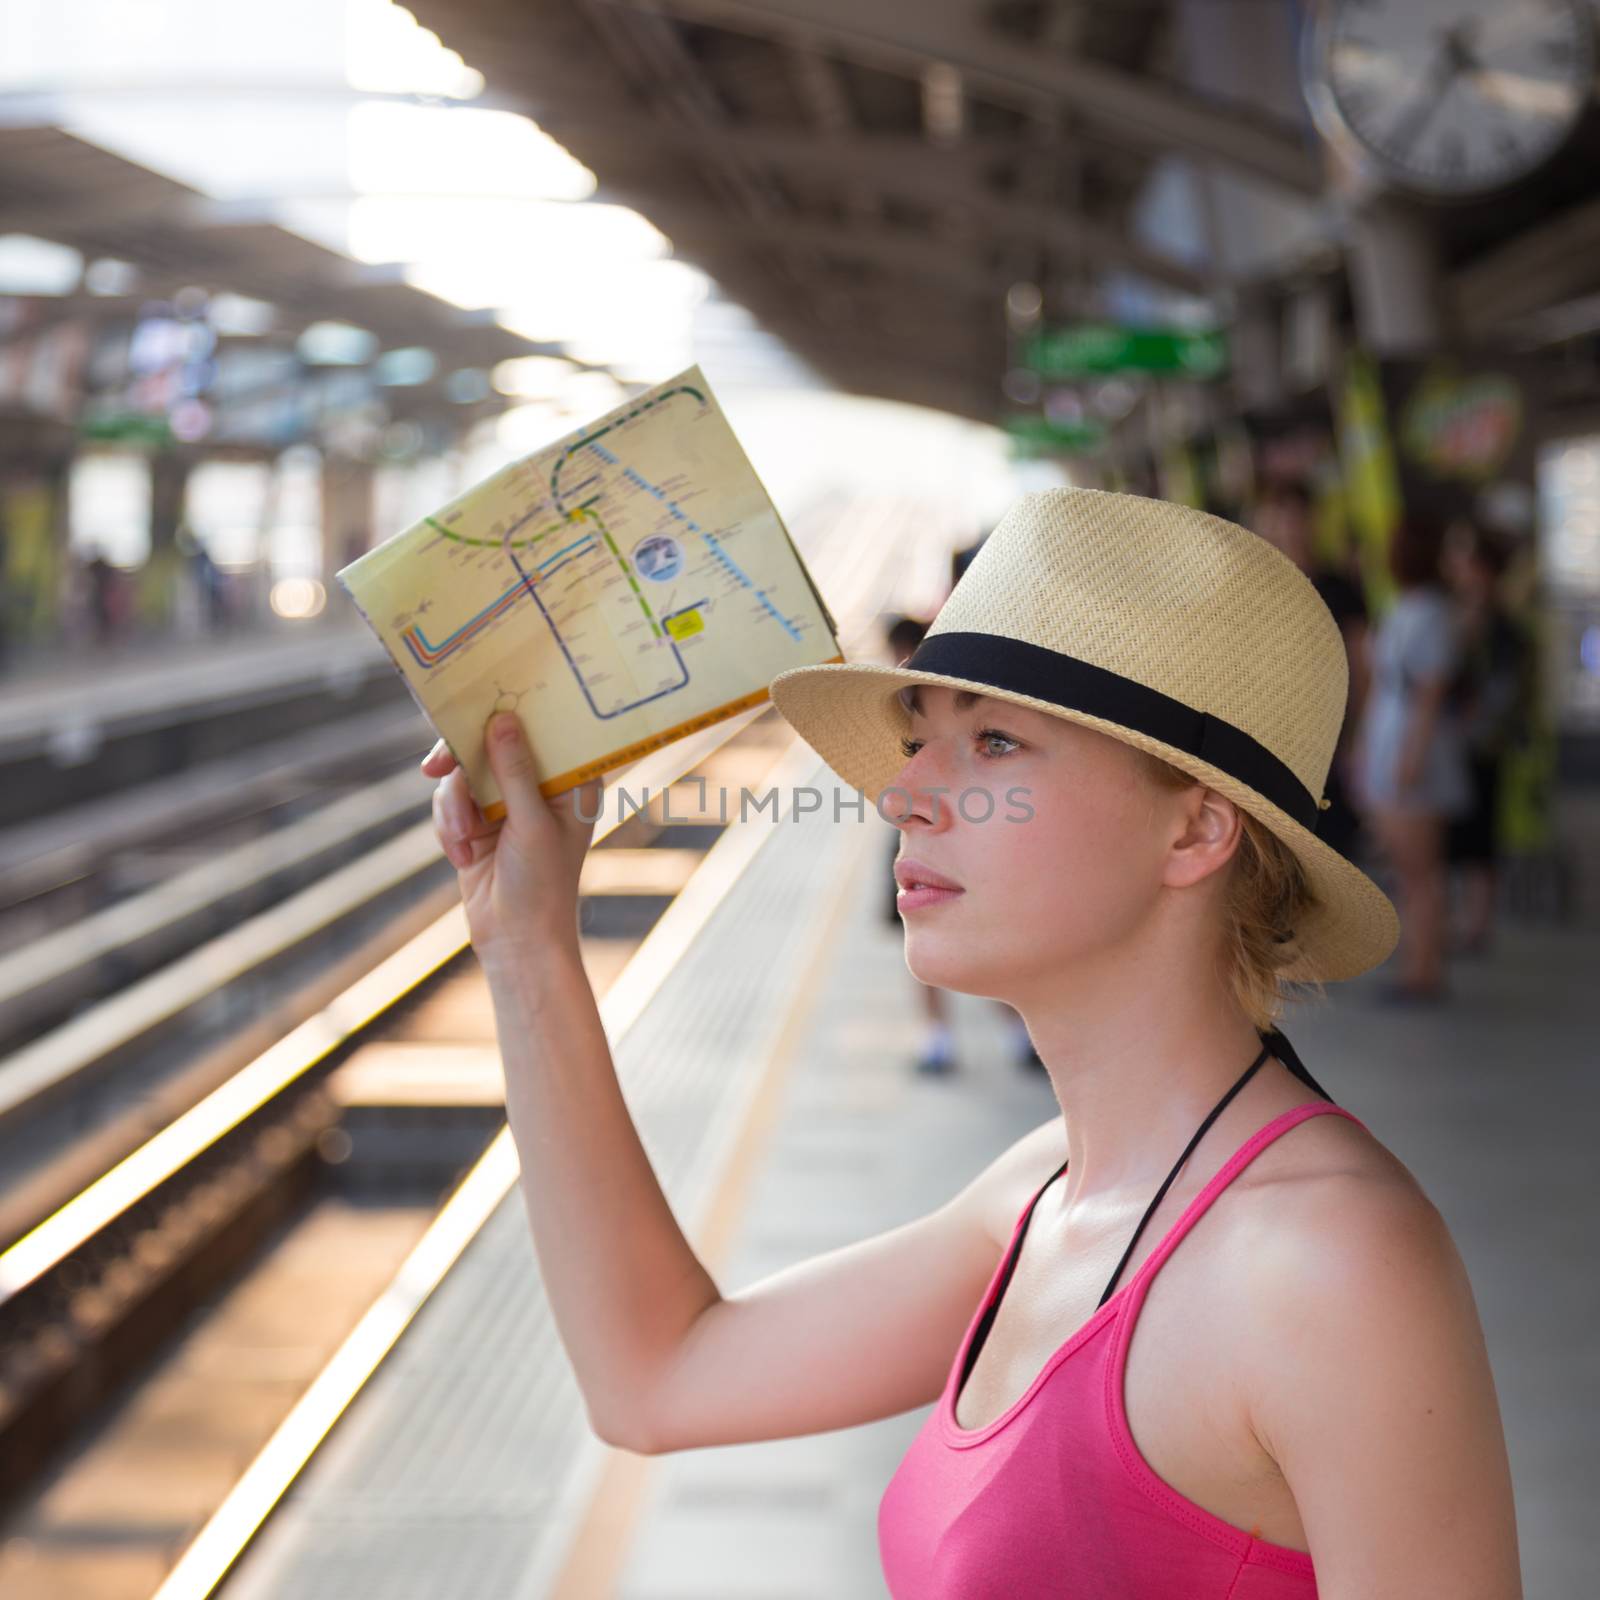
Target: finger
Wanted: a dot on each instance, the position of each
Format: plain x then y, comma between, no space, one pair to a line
511,760
464,836
438,760
466,820
579,807
456,850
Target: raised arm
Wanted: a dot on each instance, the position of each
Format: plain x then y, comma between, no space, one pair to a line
667,1362
664,1361
850,1336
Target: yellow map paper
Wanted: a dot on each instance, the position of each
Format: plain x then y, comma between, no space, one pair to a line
618,589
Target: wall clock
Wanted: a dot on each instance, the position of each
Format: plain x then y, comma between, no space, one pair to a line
1450,99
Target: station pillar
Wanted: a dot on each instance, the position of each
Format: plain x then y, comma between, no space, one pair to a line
1394,280
348,512
169,483
157,582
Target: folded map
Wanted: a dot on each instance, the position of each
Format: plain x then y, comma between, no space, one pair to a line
618,589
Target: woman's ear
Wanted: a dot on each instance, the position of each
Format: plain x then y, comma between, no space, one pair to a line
1210,836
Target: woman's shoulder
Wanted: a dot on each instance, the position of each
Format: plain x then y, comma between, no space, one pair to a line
1356,1337
1330,1186
1324,1148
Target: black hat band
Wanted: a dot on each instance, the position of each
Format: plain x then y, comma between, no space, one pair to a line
1063,680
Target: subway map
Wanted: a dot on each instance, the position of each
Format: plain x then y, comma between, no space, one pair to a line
619,588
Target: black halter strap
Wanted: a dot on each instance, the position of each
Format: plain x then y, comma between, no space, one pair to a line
1285,1052
1273,1044
1215,1112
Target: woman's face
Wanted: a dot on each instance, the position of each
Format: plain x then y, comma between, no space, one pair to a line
1047,826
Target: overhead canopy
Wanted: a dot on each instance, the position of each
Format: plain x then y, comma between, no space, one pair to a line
870,178
56,186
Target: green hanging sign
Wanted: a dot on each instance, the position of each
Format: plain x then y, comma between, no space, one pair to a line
1087,349
125,427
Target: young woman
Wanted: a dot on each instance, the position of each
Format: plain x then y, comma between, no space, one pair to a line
1412,777
1496,702
1255,1372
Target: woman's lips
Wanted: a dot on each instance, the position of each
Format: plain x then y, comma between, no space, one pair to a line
924,894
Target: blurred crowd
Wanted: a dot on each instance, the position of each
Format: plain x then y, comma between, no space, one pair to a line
178,593
1442,686
1442,689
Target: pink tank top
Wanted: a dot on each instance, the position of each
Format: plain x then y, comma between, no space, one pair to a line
1053,1496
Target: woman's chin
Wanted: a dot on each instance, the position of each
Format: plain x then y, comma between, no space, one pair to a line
927,967
942,963
987,965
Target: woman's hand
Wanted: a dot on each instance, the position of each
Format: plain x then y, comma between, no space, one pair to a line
519,876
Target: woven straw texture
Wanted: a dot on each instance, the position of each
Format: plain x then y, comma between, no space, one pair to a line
1183,602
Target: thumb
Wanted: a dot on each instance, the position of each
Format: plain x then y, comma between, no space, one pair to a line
511,760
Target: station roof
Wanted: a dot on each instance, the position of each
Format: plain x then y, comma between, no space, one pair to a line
870,202
870,176
56,186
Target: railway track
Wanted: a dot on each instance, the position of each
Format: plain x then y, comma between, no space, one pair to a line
345,1116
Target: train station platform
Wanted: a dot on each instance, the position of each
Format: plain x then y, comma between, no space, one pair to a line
44,689
770,1077
95,736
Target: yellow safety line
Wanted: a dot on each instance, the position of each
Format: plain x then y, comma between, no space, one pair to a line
594,1562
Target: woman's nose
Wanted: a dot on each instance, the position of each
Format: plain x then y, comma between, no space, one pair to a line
918,794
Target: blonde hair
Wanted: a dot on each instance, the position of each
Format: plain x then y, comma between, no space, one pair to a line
1267,895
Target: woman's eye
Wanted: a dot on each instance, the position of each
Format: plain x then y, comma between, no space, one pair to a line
987,734
909,747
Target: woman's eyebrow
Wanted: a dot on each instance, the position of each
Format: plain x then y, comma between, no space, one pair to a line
964,698
1035,726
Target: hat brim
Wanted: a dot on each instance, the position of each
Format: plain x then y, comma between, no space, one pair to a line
850,714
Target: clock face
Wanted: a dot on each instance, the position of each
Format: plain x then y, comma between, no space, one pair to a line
1453,97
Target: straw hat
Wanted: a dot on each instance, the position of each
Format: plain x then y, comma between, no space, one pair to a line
1159,625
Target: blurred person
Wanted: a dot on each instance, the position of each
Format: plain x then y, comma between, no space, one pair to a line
190,612
936,1054
213,588
187,603
1282,1388
1411,763
5,594
72,599
1493,699
1285,518
103,598
152,589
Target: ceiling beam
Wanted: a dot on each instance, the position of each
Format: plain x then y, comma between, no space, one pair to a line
926,254
1135,110
910,166
897,164
1538,267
